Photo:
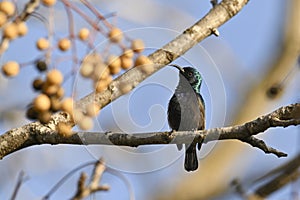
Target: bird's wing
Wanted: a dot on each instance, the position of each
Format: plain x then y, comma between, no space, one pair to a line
174,113
201,125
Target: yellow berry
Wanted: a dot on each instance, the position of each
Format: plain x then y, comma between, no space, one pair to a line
100,86
86,69
137,45
42,103
55,104
42,44
86,123
113,61
67,105
142,60
93,58
108,79
60,92
48,2
83,34
115,35
92,110
115,70
145,64
126,62
10,31
3,18
49,89
64,44
54,77
77,115
101,71
128,53
64,129
7,7
22,28
44,117
11,68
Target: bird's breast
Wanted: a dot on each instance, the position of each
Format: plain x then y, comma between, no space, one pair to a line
184,112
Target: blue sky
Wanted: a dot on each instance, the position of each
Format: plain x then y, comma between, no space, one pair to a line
229,63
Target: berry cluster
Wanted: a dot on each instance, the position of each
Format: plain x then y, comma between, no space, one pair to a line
101,70
11,29
50,98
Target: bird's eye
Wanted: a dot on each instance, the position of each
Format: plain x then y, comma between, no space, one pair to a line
190,74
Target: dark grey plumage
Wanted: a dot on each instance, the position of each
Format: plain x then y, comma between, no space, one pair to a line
186,110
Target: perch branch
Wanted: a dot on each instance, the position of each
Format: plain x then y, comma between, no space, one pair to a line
282,117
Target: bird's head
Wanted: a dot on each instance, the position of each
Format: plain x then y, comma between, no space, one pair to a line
192,76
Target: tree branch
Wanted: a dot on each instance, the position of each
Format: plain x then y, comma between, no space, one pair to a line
282,117
276,179
285,174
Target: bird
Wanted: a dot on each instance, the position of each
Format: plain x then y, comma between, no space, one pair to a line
186,111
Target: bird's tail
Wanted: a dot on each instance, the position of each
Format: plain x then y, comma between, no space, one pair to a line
179,147
191,160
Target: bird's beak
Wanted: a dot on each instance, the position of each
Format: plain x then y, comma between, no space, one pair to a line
178,67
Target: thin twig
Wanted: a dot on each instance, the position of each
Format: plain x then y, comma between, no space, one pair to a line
21,179
95,11
64,178
94,185
83,15
71,23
